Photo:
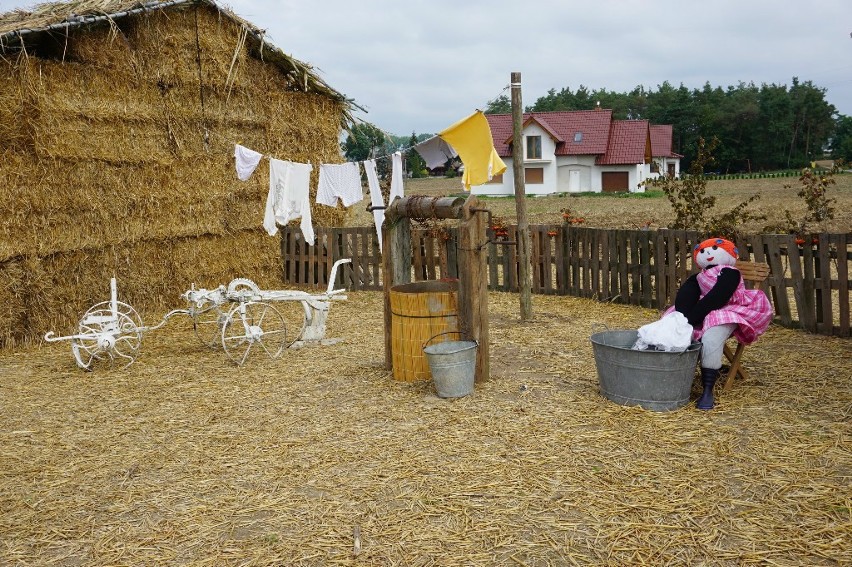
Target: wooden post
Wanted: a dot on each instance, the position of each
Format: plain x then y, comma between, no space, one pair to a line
473,284
524,284
396,269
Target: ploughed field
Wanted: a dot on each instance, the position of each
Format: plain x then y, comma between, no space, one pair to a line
621,210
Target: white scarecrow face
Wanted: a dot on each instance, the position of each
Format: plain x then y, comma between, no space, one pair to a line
714,256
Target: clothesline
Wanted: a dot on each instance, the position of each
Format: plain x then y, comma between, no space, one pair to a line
289,189
407,148
289,182
389,137
469,138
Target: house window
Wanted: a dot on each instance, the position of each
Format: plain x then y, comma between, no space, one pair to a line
578,137
655,167
496,179
534,175
533,147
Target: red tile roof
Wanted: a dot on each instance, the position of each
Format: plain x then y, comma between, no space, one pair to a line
627,141
538,119
614,142
661,140
594,125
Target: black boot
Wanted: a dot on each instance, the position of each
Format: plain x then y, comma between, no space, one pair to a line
708,380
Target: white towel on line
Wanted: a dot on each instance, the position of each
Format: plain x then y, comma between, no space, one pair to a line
341,181
289,197
376,198
246,161
396,188
435,151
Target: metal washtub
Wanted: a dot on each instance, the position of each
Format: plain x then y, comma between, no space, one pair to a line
654,380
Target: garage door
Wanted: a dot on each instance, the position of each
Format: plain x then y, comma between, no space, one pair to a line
615,181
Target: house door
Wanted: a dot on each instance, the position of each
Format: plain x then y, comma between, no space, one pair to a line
671,170
573,181
612,181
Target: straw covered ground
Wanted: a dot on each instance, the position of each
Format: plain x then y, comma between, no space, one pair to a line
321,458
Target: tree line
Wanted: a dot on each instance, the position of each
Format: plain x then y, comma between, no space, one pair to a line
763,128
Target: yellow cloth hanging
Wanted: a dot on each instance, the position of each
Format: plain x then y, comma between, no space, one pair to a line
471,138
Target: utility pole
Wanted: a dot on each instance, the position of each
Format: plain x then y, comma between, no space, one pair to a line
523,237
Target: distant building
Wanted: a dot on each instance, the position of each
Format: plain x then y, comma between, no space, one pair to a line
580,151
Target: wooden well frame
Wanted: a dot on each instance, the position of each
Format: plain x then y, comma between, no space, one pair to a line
473,275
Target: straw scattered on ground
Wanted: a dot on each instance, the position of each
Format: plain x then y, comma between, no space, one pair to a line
321,458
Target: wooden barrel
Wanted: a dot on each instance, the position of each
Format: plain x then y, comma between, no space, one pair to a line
420,311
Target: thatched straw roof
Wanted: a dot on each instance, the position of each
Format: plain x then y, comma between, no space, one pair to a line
18,27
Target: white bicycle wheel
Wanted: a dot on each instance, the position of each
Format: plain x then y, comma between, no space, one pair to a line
104,337
254,325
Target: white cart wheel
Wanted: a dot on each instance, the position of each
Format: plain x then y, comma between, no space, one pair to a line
243,288
207,322
254,325
295,319
113,340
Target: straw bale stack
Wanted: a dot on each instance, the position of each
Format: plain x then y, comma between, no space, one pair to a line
117,156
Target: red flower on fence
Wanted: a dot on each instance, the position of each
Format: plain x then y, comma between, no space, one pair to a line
801,241
569,218
499,227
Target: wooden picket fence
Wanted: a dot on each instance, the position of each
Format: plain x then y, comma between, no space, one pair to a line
808,285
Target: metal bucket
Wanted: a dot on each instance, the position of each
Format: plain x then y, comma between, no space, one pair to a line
654,380
453,366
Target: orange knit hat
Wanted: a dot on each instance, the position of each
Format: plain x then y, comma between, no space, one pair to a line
725,245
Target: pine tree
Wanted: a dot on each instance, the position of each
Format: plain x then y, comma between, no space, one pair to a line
415,163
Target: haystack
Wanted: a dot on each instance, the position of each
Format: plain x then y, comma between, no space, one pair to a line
118,121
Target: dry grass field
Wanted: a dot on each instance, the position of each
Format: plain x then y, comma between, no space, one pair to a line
633,211
321,458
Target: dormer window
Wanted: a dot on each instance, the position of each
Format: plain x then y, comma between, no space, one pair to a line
533,147
578,137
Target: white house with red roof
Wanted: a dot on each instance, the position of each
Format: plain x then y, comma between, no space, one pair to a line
579,151
665,162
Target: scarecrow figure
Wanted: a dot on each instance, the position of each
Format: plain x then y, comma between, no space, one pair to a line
717,305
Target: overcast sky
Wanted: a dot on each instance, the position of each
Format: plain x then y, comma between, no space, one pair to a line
420,66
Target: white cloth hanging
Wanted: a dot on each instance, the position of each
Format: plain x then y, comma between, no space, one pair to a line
396,188
435,151
376,198
289,197
672,333
341,181
246,161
